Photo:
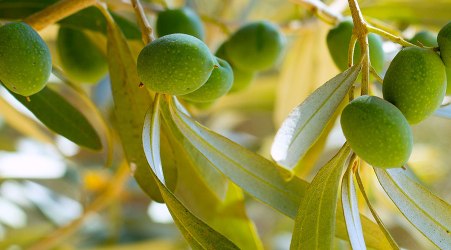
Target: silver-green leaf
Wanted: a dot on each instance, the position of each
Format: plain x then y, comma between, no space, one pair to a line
307,121
427,212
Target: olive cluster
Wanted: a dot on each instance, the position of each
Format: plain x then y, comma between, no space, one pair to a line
179,63
378,130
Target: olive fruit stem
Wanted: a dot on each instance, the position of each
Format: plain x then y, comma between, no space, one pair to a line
375,74
146,29
321,10
361,31
110,195
56,12
351,50
389,36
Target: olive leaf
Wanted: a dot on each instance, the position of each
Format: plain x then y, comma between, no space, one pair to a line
351,211
258,176
307,121
61,117
130,102
427,212
314,226
195,231
382,227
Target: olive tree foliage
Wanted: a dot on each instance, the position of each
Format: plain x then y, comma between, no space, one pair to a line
202,176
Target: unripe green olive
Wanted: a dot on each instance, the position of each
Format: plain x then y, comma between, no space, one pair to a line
448,78
415,82
183,20
255,46
25,60
377,132
81,59
241,79
175,64
444,43
338,40
425,38
218,84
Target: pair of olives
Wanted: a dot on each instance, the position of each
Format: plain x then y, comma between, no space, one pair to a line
179,63
25,60
254,47
414,86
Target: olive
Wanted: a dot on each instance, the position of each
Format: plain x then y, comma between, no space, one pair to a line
377,132
25,60
415,82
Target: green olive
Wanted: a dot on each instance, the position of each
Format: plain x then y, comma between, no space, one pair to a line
175,64
218,84
448,77
183,20
444,43
425,38
338,40
81,59
241,79
255,46
415,82
25,60
377,132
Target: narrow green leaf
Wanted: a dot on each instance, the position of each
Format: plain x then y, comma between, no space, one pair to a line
197,192
253,173
427,212
196,232
212,177
61,117
314,226
387,235
351,211
130,103
258,176
307,121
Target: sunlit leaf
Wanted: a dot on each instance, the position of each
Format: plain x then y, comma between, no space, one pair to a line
431,12
307,121
130,103
314,226
307,66
427,212
351,211
196,232
61,117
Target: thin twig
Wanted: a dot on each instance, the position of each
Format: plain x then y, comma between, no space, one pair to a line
361,31
56,12
111,193
146,29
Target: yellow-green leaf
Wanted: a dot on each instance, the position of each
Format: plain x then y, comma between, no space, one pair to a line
130,103
61,117
314,226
